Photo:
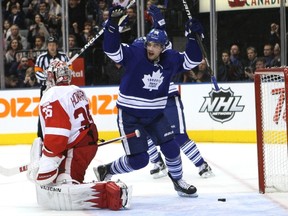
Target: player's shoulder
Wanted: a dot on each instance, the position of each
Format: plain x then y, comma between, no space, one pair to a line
42,55
57,92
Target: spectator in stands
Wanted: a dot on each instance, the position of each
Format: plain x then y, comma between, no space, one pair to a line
54,7
252,57
39,46
276,62
9,5
39,43
91,8
73,47
199,74
122,3
226,71
237,61
268,54
6,29
260,64
11,81
43,10
38,7
20,70
10,55
76,14
105,17
113,72
55,19
148,18
102,6
30,78
274,36
16,35
93,70
85,34
224,68
17,17
129,32
37,28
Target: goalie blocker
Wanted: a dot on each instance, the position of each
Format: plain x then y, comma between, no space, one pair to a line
97,195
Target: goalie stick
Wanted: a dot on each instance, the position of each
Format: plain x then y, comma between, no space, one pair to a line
19,169
90,42
199,40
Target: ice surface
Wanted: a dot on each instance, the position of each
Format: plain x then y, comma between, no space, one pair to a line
236,179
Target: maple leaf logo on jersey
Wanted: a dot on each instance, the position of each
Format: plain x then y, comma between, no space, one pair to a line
153,82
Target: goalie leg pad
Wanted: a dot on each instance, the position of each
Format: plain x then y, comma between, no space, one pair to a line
36,150
35,155
100,199
118,195
66,196
114,201
97,195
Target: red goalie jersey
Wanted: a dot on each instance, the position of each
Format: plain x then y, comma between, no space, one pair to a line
68,129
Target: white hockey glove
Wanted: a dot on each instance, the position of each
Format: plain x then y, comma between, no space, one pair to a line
48,169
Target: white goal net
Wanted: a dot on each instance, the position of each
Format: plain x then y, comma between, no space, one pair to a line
271,88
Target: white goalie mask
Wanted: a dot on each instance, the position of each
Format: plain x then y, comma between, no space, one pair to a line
58,73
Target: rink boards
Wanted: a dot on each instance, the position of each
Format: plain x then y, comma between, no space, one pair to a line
224,116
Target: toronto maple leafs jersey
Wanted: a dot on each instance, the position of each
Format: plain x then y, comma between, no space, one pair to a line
145,84
64,116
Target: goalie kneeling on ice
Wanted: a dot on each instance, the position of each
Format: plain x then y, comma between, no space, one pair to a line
95,195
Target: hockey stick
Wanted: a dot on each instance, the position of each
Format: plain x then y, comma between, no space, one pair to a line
199,40
95,38
19,169
13,171
126,136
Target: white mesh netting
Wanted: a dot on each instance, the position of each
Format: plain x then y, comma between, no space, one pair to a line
274,129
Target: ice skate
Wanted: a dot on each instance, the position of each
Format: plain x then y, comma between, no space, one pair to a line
205,171
102,172
183,188
159,169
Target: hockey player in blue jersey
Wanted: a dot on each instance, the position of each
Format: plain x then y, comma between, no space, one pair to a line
175,115
174,112
142,97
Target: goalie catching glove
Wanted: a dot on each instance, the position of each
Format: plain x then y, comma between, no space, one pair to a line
48,169
193,27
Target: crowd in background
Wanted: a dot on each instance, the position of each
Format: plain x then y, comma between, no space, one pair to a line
28,23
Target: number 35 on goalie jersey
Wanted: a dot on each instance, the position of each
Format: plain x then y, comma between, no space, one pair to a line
64,116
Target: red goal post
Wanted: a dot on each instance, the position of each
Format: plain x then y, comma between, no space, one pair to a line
271,87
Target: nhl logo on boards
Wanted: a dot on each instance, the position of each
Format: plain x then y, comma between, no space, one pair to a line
222,105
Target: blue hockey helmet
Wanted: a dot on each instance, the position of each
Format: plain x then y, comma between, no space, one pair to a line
139,41
157,36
